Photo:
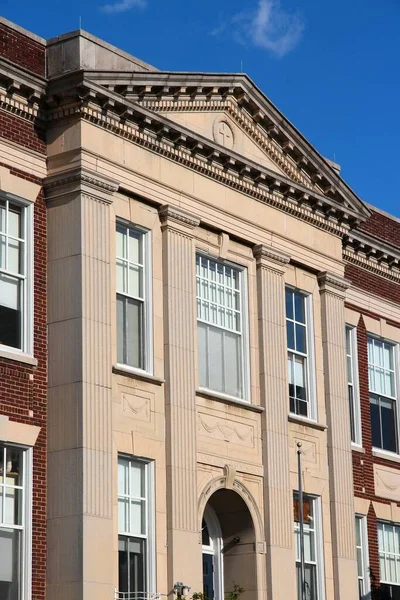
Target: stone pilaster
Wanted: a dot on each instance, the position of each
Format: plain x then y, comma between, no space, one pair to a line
184,550
80,481
271,267
333,291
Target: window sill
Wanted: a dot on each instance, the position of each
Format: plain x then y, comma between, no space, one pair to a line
386,455
210,395
21,357
306,422
137,374
357,448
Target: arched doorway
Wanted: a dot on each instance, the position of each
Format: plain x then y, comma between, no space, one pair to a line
213,581
228,545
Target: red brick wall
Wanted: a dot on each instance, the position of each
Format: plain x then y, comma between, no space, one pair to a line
383,227
19,394
16,129
22,50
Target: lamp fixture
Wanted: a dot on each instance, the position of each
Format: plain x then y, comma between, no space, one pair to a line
181,589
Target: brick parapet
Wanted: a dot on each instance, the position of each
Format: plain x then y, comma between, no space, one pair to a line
22,50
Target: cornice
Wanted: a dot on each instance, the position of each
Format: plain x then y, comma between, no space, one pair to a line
21,92
173,214
157,133
333,283
255,132
79,180
368,252
166,87
262,253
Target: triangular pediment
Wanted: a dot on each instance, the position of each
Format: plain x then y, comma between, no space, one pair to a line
221,128
226,119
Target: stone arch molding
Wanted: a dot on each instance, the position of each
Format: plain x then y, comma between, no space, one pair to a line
229,481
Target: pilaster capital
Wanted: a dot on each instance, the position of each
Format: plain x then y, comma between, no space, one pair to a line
334,284
179,219
271,258
80,181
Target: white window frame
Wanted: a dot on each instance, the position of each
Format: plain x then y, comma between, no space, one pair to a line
319,543
244,301
351,332
147,342
396,397
387,524
26,527
362,520
150,520
27,308
215,550
312,413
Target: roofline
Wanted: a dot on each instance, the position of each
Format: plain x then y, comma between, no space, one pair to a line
100,42
25,32
382,212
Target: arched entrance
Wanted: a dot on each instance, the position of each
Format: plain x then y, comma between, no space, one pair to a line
228,544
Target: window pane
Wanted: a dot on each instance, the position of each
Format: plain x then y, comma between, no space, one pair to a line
2,216
10,311
290,335
137,480
121,241
375,423
202,354
135,246
135,281
123,514
301,339
123,476
122,276
15,221
388,415
138,517
289,304
15,256
299,308
216,360
10,564
233,362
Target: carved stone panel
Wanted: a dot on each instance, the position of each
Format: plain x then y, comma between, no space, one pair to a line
387,482
225,430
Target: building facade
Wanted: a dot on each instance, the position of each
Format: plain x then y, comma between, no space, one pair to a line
218,299
23,318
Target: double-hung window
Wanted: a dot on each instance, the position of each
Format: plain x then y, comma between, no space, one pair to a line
15,521
389,560
15,275
312,547
382,388
135,527
352,385
362,557
133,297
222,327
299,342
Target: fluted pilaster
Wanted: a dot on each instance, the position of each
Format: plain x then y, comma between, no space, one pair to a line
184,560
80,395
271,267
333,292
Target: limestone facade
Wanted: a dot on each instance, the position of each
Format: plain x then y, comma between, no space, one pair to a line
197,247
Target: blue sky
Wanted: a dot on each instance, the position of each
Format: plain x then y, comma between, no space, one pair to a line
333,68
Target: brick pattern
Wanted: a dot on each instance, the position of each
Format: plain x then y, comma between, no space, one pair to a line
15,129
22,50
24,388
383,227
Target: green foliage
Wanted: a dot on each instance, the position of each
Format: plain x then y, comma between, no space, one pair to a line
232,595
235,593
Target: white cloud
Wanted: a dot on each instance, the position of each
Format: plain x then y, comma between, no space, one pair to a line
123,6
269,27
